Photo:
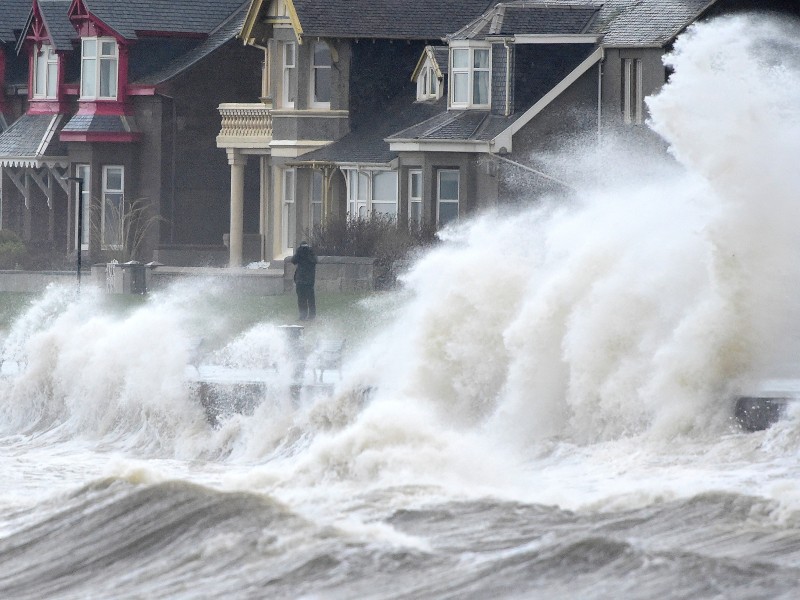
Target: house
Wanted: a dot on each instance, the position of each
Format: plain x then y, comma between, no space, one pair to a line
120,120
353,125
334,72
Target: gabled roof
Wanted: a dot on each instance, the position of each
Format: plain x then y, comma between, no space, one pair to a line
12,19
457,125
132,17
647,22
227,31
30,140
438,56
367,145
54,14
379,19
619,22
530,17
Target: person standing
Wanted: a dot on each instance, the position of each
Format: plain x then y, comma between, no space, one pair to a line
304,279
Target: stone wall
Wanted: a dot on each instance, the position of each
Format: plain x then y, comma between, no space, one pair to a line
335,274
338,274
37,281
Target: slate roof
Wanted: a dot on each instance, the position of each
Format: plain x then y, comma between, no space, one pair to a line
54,14
366,145
620,22
99,124
127,17
30,138
227,31
457,125
387,19
647,22
12,18
526,17
441,54
438,54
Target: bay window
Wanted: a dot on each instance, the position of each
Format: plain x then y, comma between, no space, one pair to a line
289,79
415,197
113,208
321,75
99,65
371,193
45,72
447,196
83,172
317,183
289,212
470,75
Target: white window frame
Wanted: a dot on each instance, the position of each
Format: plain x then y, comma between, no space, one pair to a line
317,196
104,234
440,200
288,209
45,72
314,103
632,91
428,87
278,9
361,193
84,171
415,198
469,71
289,75
94,64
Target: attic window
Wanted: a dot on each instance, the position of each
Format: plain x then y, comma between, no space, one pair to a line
45,72
99,63
427,83
469,75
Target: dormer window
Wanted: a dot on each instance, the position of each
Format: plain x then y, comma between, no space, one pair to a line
99,60
45,72
470,75
427,83
321,76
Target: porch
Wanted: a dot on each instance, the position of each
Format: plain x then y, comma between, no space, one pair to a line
246,130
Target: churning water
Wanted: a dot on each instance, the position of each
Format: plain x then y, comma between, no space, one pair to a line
549,414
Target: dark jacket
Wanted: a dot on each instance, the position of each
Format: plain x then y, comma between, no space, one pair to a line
306,262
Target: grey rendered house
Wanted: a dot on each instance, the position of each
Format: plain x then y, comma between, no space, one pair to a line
492,86
123,96
333,72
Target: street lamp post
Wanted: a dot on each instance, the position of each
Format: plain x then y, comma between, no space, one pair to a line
79,206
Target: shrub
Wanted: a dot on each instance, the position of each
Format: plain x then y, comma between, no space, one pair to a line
12,250
379,237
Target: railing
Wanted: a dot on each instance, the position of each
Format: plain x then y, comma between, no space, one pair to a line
245,125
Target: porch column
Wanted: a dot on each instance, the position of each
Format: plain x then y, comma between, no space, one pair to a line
237,161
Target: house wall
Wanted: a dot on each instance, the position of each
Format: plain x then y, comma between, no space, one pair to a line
303,122
153,167
97,156
653,78
500,60
573,114
430,163
190,123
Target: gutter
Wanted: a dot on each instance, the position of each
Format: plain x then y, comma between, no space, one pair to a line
534,171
